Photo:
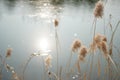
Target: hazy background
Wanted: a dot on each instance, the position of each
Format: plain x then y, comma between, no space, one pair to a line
23,23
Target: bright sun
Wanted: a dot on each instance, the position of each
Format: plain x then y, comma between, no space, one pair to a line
44,44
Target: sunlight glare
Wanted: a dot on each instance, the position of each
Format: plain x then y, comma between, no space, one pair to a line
44,44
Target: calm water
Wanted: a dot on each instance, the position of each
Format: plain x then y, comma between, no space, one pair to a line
24,23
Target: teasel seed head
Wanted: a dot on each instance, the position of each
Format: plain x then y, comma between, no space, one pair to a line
76,45
48,61
104,47
56,23
9,52
99,8
82,53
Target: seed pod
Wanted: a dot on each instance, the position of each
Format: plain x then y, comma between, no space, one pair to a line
76,45
98,11
56,23
9,52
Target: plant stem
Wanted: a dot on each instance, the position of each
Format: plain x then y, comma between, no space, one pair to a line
56,37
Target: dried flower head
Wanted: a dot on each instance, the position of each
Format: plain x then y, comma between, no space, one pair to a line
15,76
76,45
9,52
48,61
104,38
99,38
83,51
98,11
56,22
104,47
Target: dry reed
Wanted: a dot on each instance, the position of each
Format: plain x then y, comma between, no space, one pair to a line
78,65
93,47
57,44
76,44
112,37
99,8
99,68
98,12
14,74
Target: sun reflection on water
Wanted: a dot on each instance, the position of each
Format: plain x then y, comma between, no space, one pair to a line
43,44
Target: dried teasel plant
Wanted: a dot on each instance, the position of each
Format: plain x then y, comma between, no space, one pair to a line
99,38
56,23
104,48
93,47
39,53
78,66
112,38
48,61
3,61
14,74
99,8
101,42
99,67
9,68
9,52
82,53
76,45
98,12
81,56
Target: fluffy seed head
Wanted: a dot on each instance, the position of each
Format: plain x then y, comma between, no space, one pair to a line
9,52
76,45
104,47
104,38
98,11
83,51
56,22
48,61
99,38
